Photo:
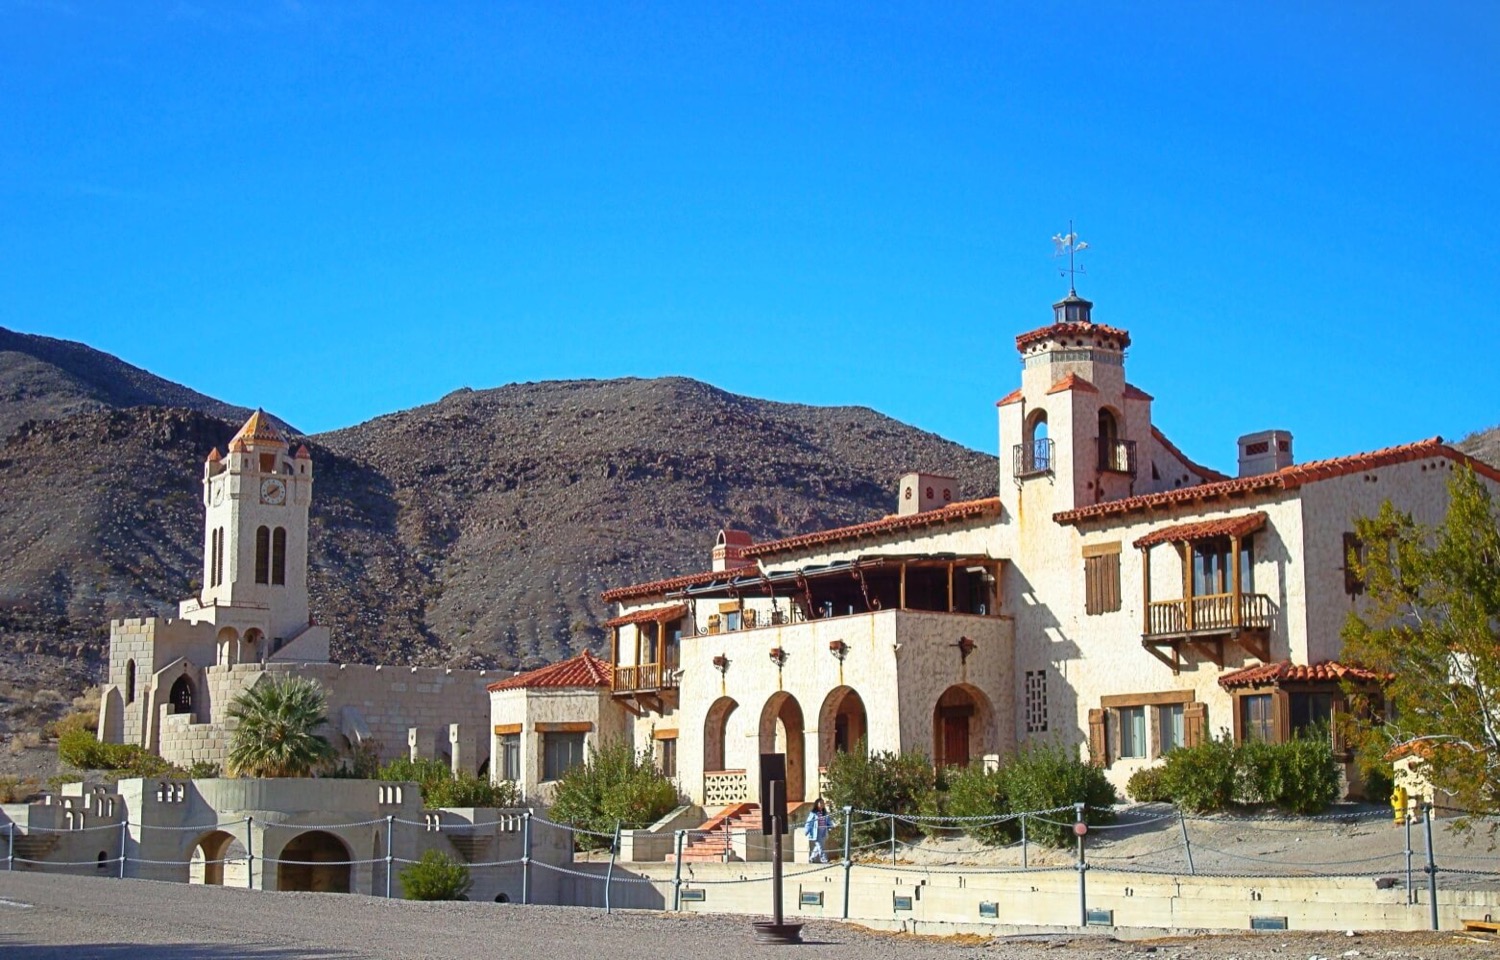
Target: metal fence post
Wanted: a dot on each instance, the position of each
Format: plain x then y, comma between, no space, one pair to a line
1432,891
677,876
10,846
1025,859
526,857
250,852
123,837
390,851
1083,869
848,860
609,873
1187,844
1411,892
893,838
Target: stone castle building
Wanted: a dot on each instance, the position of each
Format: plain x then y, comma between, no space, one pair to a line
1116,595
171,681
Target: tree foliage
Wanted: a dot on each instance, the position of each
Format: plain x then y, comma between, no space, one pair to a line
1431,619
615,785
436,877
440,788
278,734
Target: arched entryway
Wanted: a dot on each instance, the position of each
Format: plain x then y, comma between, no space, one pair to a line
962,726
781,731
218,858
714,728
842,724
227,643
315,861
182,695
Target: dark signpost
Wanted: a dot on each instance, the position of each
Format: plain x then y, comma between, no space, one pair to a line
773,822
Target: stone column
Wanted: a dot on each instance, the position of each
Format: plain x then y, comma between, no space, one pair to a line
463,749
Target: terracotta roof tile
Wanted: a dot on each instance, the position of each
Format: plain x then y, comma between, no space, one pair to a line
303,453
1133,392
1204,529
1329,671
584,670
1061,330
966,510
656,587
1287,478
1013,397
213,455
260,427
1198,468
1073,382
648,616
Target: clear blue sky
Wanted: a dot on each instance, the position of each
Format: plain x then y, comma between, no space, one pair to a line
337,210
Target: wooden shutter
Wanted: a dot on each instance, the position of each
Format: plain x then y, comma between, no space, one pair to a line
1098,738
1101,575
1194,724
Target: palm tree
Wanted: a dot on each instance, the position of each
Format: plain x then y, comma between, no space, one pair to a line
276,737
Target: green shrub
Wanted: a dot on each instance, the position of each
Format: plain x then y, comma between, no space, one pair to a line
1049,776
1201,778
977,792
885,782
1307,773
1257,774
436,877
440,788
79,748
1149,785
615,785
1377,783
203,770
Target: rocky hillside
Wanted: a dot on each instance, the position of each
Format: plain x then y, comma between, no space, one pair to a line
1485,445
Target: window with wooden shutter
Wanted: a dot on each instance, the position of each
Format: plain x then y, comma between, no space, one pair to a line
1098,738
1194,724
1101,577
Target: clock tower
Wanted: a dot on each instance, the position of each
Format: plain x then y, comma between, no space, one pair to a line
255,535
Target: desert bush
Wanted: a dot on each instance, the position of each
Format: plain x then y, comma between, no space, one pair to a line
440,788
977,792
1048,776
1201,778
1148,785
1299,776
81,749
885,782
203,770
615,785
19,790
436,877
1307,773
1257,773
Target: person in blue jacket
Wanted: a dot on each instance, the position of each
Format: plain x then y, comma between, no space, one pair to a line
818,825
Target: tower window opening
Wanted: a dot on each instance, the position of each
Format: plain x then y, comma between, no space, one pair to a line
263,555
278,557
130,681
268,463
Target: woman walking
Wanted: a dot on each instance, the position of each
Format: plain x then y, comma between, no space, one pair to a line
818,825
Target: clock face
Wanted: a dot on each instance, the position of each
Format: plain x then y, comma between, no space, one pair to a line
218,493
272,491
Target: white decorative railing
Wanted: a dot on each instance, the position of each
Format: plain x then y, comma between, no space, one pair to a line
723,787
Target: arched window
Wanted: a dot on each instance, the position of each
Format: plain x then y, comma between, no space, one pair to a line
1034,454
1109,431
130,681
278,557
263,555
181,697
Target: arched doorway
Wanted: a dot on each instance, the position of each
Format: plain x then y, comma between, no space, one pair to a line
714,727
182,695
781,731
227,643
842,724
218,860
253,647
962,725
315,861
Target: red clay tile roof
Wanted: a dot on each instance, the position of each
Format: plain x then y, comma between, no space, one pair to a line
1013,397
1329,671
1197,468
213,455
1203,530
966,510
260,427
1287,478
1061,330
1073,382
648,616
1133,392
655,587
303,453
584,670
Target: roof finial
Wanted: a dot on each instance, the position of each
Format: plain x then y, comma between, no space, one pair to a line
1070,244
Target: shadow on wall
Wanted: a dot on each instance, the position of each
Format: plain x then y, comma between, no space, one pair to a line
1057,650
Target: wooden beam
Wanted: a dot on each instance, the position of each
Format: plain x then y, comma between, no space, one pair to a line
1185,551
950,586
1146,590
903,585
1234,567
1146,699
1155,651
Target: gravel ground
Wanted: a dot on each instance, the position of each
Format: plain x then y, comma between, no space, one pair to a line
74,917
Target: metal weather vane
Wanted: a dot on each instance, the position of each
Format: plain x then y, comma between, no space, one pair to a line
1068,243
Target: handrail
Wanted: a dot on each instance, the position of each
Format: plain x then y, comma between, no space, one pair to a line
1211,612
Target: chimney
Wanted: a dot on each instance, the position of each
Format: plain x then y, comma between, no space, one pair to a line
1265,452
729,550
920,492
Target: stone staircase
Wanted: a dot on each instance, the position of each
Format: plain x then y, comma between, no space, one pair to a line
28,847
713,842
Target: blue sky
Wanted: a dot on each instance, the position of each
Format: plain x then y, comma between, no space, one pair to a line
340,210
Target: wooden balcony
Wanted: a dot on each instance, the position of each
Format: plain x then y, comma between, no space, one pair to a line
1206,622
646,687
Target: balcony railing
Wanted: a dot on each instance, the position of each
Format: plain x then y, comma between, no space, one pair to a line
1213,613
645,678
1033,459
723,787
1116,456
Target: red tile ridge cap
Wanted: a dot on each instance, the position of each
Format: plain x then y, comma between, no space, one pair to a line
964,510
1236,526
648,615
1284,671
1193,466
583,670
1072,382
1133,392
652,587
1013,397
1072,329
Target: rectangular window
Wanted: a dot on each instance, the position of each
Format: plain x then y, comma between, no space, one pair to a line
1256,718
1311,710
561,752
1036,701
1130,732
666,757
1101,577
510,757
1169,727
645,642
1212,571
1354,557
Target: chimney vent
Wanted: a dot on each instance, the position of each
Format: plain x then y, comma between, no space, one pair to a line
729,550
1265,452
920,492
